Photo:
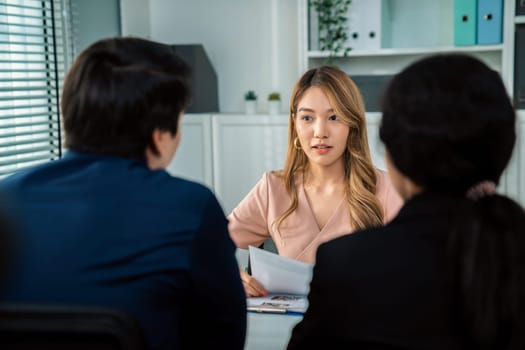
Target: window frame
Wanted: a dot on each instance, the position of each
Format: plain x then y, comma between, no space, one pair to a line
30,118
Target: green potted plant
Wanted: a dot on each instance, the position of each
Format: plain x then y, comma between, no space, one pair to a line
333,26
250,102
274,103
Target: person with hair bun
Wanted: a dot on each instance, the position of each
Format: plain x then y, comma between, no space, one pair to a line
449,271
328,187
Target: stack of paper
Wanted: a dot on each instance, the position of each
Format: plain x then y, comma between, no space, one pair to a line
286,280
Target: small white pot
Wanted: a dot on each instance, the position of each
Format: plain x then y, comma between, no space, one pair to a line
274,107
251,106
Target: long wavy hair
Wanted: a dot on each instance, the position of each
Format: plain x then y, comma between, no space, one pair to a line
365,209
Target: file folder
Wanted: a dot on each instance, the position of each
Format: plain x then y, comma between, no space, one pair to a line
465,22
364,24
490,21
313,29
519,68
520,7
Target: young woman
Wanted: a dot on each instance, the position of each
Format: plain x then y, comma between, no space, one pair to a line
329,186
449,271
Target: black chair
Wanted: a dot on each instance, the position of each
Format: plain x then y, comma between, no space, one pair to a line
43,327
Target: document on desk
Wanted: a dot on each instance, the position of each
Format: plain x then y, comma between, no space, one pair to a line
286,280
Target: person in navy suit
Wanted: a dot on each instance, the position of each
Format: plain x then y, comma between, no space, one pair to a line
106,225
449,271
5,240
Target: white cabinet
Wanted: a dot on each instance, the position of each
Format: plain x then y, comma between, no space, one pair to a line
229,153
193,159
244,147
513,179
377,150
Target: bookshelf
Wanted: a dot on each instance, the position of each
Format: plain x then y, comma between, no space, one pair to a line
409,30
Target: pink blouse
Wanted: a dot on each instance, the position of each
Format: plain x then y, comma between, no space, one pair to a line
250,223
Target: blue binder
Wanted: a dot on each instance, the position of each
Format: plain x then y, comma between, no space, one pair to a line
465,22
490,21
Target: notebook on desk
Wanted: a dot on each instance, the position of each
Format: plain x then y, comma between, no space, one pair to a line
278,303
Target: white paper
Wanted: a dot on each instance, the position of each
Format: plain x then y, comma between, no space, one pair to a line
279,274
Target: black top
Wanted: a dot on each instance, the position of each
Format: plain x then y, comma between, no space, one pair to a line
386,288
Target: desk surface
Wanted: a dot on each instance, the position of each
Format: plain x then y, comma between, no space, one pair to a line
269,331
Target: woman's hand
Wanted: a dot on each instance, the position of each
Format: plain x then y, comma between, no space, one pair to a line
252,287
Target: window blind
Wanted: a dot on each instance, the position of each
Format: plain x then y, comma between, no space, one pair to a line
33,60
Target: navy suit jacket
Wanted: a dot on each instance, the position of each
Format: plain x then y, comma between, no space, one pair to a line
387,287
103,230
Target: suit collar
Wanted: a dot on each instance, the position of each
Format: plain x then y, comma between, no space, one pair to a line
72,155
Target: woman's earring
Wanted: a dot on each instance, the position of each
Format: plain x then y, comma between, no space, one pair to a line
296,143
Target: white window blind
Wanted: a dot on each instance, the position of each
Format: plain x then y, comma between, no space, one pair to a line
33,59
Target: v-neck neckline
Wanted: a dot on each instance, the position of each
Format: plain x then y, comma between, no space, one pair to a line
312,215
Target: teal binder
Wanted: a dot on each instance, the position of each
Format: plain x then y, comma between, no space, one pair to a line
465,23
490,22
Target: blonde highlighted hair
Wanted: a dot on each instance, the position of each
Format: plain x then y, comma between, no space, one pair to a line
365,210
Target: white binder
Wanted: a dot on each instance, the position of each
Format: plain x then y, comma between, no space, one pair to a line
364,24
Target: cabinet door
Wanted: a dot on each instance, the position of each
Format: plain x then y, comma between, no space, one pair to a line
377,149
513,180
244,147
193,159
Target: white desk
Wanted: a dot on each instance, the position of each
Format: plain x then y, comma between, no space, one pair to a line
266,331
269,331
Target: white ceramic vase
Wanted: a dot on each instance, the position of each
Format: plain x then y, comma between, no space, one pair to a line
251,106
274,107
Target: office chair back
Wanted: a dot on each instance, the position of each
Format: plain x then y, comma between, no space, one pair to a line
46,327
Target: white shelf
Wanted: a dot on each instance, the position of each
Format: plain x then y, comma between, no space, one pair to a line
519,19
409,51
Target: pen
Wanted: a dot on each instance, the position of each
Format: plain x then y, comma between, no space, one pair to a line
266,309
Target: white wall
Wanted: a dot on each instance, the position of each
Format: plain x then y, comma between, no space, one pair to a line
135,18
252,44
86,30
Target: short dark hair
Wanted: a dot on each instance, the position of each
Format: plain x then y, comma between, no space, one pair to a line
118,91
448,123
